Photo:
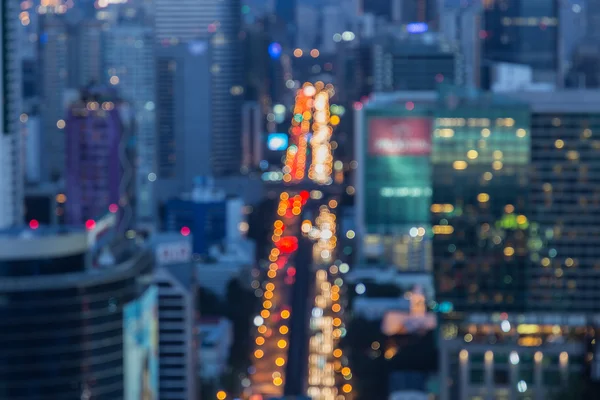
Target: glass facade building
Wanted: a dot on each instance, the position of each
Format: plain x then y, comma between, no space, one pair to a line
521,32
61,326
394,192
479,216
565,200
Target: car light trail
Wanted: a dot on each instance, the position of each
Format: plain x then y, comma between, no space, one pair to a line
329,376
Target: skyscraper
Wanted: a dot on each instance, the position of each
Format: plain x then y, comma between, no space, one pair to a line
58,306
522,32
217,22
286,11
11,178
54,82
130,63
99,169
70,57
174,277
480,182
564,201
183,117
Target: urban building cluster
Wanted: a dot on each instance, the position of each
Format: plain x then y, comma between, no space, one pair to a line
283,199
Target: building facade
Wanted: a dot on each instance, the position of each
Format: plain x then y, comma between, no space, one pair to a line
99,168
564,200
522,32
174,278
11,176
479,216
129,59
218,23
393,145
184,117
419,61
56,306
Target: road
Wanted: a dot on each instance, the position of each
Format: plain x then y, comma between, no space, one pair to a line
300,324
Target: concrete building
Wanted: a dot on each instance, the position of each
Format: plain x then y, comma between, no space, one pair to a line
129,60
11,177
64,291
233,260
174,277
99,164
218,23
252,136
215,337
53,76
184,117
415,61
564,200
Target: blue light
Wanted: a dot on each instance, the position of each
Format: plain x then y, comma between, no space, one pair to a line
275,50
417,27
277,141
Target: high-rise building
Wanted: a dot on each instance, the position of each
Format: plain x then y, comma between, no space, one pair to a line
70,55
287,12
184,117
480,163
202,214
479,218
564,201
85,53
218,23
54,81
393,146
174,278
404,12
522,32
98,161
252,135
415,62
129,60
58,306
11,177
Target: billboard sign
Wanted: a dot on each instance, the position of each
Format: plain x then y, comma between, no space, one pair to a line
140,346
173,253
399,136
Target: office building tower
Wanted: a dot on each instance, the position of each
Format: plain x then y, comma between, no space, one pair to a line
174,278
287,13
11,177
480,163
227,89
219,24
99,164
393,144
203,213
184,117
404,12
415,62
53,76
307,27
479,218
462,24
522,32
84,53
332,21
61,317
129,61
70,55
252,135
184,20
563,201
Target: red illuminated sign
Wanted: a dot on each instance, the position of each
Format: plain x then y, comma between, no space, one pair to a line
399,137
